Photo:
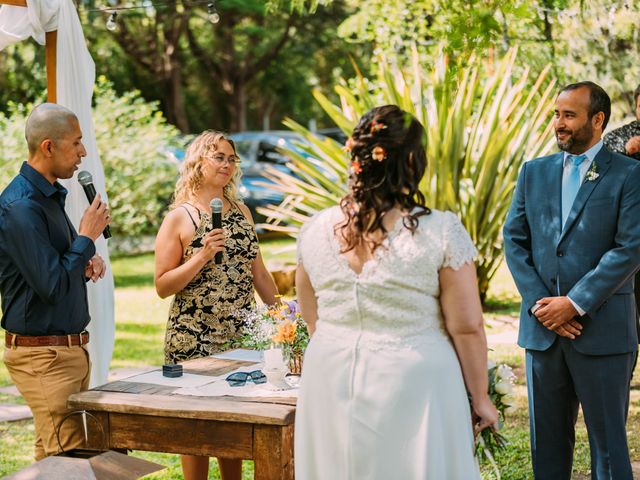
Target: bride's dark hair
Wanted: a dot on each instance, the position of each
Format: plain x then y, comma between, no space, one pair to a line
388,162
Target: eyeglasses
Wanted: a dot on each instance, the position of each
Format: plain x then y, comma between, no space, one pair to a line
220,159
239,379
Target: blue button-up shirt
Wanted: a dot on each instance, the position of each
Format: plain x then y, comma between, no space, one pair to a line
42,259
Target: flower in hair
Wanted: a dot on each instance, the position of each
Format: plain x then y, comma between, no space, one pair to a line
348,146
355,166
377,126
378,153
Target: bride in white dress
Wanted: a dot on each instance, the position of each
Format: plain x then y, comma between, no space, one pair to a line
388,288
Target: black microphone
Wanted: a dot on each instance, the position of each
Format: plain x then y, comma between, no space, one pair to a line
86,180
216,221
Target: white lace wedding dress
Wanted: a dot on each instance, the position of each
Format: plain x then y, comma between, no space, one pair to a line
382,394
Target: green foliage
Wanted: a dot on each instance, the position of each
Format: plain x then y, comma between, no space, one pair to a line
251,69
462,27
481,124
296,5
13,146
22,75
595,40
600,43
130,134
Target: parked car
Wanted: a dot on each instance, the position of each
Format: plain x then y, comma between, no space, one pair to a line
257,151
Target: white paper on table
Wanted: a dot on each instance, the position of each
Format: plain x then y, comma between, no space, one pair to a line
241,354
125,373
250,389
186,380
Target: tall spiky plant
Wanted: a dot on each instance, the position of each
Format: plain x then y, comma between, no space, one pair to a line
482,123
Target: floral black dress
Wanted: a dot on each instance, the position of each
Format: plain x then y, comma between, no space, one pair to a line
616,140
204,315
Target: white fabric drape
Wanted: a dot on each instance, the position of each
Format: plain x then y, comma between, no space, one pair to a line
75,82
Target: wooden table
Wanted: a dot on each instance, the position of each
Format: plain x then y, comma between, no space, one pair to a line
140,416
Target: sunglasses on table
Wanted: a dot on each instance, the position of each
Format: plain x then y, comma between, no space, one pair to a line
239,379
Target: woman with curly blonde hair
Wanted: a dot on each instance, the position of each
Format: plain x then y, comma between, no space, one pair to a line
204,313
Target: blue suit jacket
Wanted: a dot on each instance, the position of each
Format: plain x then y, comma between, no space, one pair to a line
592,260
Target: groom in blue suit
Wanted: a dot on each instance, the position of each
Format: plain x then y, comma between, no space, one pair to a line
572,243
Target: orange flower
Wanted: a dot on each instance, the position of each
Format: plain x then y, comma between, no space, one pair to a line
348,146
275,313
285,332
377,126
378,153
355,166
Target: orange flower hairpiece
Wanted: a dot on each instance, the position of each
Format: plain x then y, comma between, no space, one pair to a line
348,146
378,153
356,167
377,126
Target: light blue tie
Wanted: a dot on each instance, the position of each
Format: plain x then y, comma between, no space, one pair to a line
571,184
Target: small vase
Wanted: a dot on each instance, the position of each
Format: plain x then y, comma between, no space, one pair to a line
295,361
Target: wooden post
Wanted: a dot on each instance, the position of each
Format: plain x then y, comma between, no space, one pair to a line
51,40
50,46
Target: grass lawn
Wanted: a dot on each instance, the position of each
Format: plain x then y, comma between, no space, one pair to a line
140,323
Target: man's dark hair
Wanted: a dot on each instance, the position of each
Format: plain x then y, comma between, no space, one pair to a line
636,94
599,101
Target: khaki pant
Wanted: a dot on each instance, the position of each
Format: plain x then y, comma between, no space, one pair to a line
46,376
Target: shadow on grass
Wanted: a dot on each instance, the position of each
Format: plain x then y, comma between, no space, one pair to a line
134,280
504,304
139,343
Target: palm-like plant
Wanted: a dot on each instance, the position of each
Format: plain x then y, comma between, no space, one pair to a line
481,124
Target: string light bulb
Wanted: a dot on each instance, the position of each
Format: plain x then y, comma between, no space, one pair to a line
214,16
112,23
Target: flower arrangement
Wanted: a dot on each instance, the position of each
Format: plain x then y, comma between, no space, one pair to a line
489,441
278,325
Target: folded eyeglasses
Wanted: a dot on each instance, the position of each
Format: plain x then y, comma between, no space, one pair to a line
239,379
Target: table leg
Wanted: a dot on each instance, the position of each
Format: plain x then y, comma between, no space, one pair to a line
273,452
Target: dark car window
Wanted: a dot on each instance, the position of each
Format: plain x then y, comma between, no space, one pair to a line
268,153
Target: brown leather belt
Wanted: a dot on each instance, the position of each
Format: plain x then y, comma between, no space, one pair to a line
13,340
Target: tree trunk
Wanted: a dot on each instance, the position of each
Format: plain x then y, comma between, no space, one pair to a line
156,48
240,105
176,112
235,73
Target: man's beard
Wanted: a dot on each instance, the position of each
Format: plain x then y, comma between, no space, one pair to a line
578,140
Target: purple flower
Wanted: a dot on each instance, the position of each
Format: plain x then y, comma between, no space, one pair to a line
293,309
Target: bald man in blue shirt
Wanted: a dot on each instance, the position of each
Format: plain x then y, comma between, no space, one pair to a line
44,265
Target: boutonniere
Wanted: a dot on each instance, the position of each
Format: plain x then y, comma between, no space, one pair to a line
592,173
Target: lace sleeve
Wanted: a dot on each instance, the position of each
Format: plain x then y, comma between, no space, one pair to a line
300,237
299,243
458,246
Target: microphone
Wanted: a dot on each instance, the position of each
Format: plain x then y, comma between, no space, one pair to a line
86,180
216,221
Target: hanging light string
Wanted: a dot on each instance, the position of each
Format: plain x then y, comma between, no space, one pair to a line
112,23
